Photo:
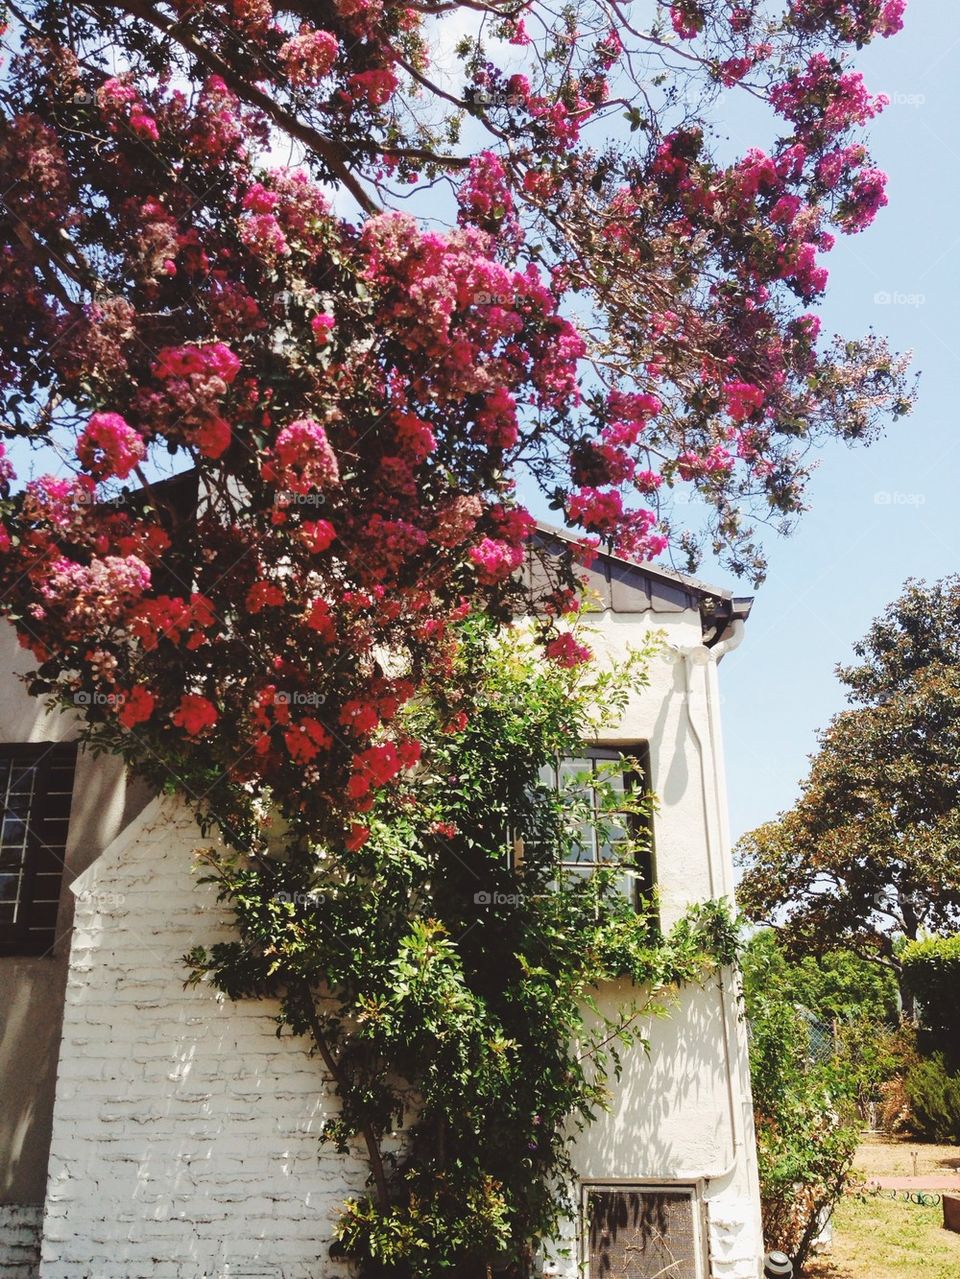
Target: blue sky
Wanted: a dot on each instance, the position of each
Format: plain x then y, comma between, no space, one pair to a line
883,514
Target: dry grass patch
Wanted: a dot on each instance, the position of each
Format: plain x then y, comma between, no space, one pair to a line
881,1157
879,1238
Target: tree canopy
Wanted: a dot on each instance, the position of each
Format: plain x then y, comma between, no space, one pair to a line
363,267
869,852
298,299
834,985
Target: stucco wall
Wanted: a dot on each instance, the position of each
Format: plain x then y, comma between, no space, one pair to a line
32,986
684,1112
186,1134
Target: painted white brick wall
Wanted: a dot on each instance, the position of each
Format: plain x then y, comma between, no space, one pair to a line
186,1134
20,1240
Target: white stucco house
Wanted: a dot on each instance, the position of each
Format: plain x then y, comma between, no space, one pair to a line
153,1131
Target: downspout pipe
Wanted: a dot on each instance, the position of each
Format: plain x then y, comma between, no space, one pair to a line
702,699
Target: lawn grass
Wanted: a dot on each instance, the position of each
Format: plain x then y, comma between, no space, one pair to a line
877,1238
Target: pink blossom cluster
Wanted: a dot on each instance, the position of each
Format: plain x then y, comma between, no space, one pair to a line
195,714
636,538
566,651
376,87
305,739
94,595
302,458
381,764
742,399
109,447
495,560
120,103
455,520
389,546
717,460
866,198
801,98
856,20
596,509
193,383
263,235
310,55
486,200
686,18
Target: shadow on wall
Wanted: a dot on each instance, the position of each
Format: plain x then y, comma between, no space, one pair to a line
669,1117
29,1043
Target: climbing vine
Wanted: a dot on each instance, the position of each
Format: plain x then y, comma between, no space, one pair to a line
446,970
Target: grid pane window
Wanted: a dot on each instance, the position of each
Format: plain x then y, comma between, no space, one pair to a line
592,847
36,787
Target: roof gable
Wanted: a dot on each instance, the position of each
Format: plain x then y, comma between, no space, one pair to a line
624,586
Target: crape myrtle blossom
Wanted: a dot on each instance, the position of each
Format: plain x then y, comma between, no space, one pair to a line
355,392
531,273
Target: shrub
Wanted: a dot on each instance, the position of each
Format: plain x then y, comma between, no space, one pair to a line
895,1113
806,1120
931,971
934,1095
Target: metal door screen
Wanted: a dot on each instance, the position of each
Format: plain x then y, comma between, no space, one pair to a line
635,1233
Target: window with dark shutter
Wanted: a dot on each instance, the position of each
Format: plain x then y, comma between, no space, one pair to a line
644,1232
36,786
590,850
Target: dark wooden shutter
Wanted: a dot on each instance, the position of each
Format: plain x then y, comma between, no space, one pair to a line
36,789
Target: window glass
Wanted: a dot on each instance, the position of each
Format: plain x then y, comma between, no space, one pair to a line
583,778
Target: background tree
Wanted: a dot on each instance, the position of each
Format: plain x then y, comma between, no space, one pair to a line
848,1012
931,969
836,986
869,854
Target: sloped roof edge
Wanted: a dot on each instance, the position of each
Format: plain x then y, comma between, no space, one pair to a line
628,586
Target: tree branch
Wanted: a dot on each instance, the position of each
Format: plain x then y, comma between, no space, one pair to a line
343,1084
330,152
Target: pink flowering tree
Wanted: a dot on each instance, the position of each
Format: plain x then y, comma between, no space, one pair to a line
298,299
613,313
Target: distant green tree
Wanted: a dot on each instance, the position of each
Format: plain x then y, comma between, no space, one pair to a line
931,972
835,986
934,1096
868,854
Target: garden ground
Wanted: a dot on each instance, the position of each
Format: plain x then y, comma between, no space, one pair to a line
879,1238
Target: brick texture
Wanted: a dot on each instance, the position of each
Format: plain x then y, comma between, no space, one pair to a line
186,1136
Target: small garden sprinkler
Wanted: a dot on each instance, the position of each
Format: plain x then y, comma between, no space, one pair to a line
777,1265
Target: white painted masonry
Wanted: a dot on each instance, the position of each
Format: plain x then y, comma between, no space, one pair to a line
20,1226
684,1113
186,1134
